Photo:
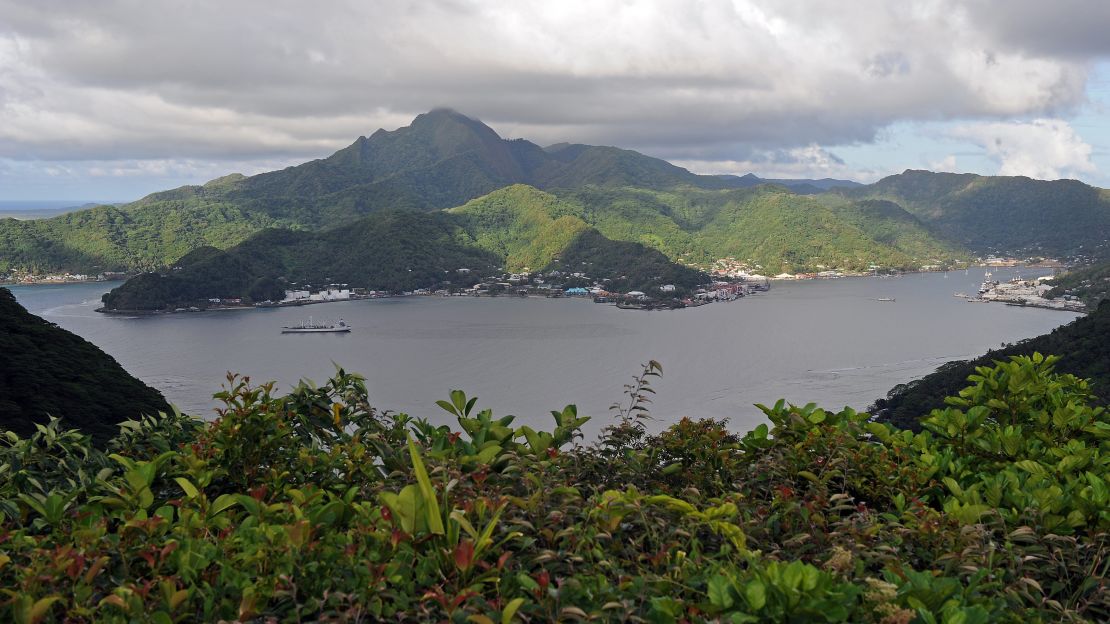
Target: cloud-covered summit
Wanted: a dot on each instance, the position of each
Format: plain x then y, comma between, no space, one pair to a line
711,81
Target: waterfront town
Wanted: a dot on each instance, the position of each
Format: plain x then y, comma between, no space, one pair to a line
731,280
551,284
1020,292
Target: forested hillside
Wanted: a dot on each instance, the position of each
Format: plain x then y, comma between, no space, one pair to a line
444,160
1090,284
523,227
47,371
765,226
999,214
392,251
403,250
1083,346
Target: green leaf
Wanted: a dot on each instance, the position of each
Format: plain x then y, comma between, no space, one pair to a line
720,595
510,610
41,606
756,594
431,505
222,503
188,487
527,582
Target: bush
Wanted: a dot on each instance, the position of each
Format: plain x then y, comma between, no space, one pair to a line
316,506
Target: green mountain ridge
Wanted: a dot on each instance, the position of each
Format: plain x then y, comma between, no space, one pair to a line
998,214
403,251
766,226
444,160
47,371
395,250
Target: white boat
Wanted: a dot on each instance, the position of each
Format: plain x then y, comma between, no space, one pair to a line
311,327
988,284
885,299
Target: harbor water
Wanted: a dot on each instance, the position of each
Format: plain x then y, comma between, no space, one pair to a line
831,342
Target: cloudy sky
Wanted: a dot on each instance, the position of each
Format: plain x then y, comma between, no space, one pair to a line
110,100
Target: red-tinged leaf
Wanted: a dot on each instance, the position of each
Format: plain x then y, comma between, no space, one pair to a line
75,566
42,607
95,569
464,555
115,601
166,551
503,559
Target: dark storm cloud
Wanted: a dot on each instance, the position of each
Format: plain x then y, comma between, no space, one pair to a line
712,80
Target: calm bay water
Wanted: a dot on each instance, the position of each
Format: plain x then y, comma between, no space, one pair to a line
827,342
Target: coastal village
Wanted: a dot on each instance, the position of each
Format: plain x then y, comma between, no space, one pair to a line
731,280
551,284
1020,292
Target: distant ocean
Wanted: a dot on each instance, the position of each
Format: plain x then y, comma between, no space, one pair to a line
43,208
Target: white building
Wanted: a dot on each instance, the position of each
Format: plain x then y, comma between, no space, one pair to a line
296,295
331,294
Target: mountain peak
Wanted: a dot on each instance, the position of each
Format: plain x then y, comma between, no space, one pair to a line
443,112
438,119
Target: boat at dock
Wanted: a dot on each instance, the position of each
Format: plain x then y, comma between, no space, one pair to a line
988,284
310,327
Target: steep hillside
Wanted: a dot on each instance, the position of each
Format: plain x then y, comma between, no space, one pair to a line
110,238
47,371
514,228
766,225
533,229
1083,346
627,266
524,225
1090,284
387,251
444,159
1060,218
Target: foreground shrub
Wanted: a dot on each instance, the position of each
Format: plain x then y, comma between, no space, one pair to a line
316,506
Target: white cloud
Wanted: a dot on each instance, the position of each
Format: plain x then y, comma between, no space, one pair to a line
1046,149
948,163
712,81
811,161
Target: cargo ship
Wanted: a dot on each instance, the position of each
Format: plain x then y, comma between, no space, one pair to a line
310,327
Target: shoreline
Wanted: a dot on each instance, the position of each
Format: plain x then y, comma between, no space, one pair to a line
651,305
7,283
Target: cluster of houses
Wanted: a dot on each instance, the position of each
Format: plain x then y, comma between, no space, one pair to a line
1028,293
331,293
551,283
23,277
